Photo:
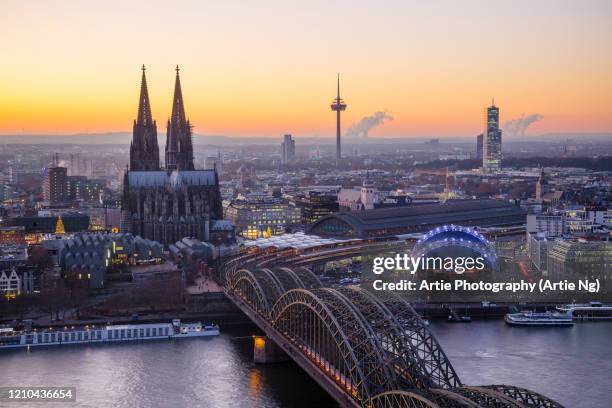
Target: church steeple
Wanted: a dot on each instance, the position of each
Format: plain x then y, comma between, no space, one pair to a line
144,106
178,108
179,146
144,149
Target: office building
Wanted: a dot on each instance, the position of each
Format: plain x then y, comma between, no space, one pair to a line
580,259
287,150
550,225
492,142
315,205
256,217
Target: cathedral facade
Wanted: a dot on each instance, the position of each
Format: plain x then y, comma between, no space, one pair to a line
176,201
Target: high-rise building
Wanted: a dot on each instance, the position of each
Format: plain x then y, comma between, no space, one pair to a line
179,146
55,187
479,147
287,149
338,106
214,162
492,142
144,150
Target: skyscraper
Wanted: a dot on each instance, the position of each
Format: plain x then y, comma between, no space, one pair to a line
479,147
492,150
287,150
338,106
55,187
144,150
179,147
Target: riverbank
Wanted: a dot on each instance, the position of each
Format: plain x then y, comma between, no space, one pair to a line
210,307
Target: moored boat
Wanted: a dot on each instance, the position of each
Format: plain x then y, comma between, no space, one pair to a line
538,319
458,319
15,338
587,311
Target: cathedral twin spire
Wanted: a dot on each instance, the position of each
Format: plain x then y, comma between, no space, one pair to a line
144,106
144,149
179,146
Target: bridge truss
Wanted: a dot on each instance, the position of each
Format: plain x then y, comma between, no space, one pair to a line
366,349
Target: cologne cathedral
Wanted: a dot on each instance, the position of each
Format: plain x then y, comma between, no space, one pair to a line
168,203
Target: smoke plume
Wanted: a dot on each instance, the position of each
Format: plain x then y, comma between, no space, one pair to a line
518,127
360,129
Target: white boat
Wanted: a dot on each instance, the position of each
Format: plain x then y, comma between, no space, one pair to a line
89,334
538,319
587,311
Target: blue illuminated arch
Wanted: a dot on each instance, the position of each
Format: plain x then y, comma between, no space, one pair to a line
455,236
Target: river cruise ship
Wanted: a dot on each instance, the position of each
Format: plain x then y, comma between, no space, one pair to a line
588,311
12,338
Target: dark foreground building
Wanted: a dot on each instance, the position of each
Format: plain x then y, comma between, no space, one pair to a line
419,218
35,224
168,204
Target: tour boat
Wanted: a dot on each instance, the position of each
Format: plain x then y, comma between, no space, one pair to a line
538,319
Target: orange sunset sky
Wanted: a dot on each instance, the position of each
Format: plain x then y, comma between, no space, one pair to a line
267,68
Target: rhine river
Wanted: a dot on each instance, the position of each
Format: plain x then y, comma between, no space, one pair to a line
571,365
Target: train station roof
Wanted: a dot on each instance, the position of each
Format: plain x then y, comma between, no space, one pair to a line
298,240
419,218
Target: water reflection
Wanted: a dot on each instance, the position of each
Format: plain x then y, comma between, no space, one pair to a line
571,365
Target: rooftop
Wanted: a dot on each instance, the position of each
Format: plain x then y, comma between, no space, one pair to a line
160,178
419,218
298,240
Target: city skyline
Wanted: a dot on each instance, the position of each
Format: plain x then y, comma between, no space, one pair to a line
253,72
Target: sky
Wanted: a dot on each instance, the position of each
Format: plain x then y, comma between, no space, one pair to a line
269,67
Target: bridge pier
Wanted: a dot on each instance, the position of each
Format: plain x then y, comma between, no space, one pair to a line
266,351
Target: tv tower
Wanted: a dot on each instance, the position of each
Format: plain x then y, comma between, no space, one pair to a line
338,106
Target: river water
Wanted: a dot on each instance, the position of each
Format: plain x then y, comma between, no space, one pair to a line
571,365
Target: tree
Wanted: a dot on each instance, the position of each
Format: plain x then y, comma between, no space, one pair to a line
54,297
39,258
22,304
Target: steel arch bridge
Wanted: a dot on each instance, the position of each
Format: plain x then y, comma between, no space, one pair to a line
365,349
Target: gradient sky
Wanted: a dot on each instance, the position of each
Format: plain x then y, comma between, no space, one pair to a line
267,68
